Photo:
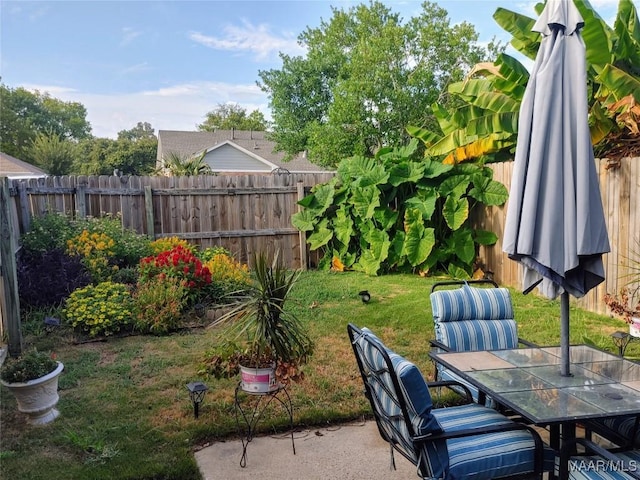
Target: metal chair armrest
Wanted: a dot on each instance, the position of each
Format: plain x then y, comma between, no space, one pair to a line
452,383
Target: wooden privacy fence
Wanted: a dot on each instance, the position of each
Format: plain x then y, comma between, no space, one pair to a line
243,213
620,189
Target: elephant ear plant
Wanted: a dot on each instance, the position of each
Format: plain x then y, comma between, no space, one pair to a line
258,331
400,212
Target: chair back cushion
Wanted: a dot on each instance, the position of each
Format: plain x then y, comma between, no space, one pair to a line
468,318
398,393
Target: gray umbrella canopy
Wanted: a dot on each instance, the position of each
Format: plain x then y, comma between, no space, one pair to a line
555,222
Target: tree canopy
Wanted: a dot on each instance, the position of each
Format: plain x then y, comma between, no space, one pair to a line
26,114
366,76
227,116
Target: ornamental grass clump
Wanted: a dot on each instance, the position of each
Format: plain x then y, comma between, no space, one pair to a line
102,309
29,366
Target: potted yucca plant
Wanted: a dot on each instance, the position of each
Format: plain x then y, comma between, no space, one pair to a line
33,380
264,341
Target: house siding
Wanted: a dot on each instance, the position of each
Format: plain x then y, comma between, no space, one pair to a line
228,158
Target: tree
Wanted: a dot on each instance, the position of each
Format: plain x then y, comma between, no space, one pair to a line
25,114
365,77
133,153
227,116
55,155
177,165
142,130
484,126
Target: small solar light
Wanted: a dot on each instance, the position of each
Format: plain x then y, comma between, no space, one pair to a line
196,393
621,340
365,296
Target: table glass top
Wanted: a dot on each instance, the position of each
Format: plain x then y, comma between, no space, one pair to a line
529,381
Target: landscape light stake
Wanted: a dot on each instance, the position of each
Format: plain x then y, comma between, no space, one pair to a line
196,393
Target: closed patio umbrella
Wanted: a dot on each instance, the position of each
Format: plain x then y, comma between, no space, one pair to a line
555,224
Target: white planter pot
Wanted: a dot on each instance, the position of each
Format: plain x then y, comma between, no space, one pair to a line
37,398
258,380
634,327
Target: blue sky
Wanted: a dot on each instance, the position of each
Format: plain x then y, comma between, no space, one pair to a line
169,63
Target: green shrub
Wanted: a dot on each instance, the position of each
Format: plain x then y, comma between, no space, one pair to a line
48,232
159,303
103,309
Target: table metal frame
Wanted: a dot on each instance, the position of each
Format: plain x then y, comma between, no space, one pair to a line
252,413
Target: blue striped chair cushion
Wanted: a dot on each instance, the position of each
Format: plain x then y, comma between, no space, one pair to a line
469,303
624,427
488,455
414,390
597,468
470,318
469,335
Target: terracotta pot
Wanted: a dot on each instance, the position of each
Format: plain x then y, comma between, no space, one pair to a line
37,398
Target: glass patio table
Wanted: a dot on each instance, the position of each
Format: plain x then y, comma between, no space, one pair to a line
528,381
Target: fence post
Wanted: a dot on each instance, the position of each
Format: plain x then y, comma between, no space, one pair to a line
10,300
148,208
302,236
81,200
24,205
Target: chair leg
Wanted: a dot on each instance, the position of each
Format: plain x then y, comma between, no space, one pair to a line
392,465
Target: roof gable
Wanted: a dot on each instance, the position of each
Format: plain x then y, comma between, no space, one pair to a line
14,168
253,144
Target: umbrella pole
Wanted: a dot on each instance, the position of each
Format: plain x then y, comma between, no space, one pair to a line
564,335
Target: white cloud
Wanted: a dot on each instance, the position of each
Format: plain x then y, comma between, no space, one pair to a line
256,39
128,36
177,107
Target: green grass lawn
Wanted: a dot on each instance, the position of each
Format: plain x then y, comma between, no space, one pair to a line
125,410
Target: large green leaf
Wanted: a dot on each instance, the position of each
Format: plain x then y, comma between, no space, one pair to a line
406,172
597,36
304,220
462,244
455,185
488,191
365,200
321,236
343,225
524,40
419,241
324,196
627,28
424,201
385,217
455,211
371,259
617,84
485,237
433,169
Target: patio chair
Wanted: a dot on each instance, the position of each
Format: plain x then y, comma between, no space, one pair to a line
598,463
470,319
465,441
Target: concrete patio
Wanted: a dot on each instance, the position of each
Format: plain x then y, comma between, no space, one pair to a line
349,451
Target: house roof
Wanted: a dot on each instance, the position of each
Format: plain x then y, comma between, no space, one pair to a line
254,142
14,168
